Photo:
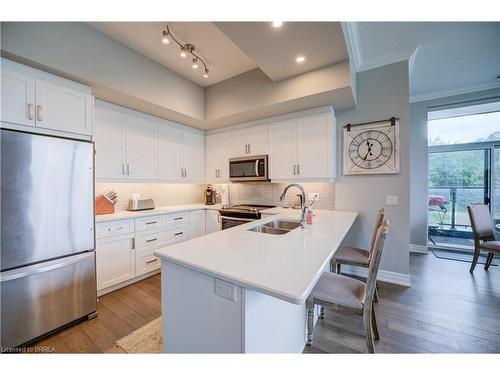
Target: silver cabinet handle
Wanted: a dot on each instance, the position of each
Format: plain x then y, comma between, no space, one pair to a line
39,113
114,229
152,239
123,169
30,111
133,242
216,173
178,233
249,150
179,218
151,222
298,169
294,169
128,169
152,261
185,172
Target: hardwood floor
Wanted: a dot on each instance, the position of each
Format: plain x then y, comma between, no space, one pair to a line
119,313
447,310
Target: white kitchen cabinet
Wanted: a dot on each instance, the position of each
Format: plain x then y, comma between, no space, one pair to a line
170,151
142,148
249,141
283,150
37,99
303,148
181,153
109,139
217,151
196,223
212,221
18,98
64,109
194,152
115,260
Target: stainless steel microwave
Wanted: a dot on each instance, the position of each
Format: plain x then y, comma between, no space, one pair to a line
248,168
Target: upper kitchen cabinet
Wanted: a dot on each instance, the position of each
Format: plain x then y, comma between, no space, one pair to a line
181,153
303,148
249,141
142,148
217,153
18,98
126,145
37,99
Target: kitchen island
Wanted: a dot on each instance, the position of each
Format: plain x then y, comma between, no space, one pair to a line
241,291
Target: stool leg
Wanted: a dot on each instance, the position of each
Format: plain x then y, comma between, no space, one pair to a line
310,319
488,261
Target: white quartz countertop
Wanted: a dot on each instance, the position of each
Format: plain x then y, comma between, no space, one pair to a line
120,215
284,266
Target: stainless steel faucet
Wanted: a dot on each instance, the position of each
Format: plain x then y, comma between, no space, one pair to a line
303,205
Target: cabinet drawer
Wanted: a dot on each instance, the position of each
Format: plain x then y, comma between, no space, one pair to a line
146,263
114,228
156,239
177,218
148,223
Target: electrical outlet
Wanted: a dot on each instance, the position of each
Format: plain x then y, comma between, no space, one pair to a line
225,289
391,200
312,195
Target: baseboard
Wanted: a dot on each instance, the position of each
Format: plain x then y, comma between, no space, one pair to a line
386,276
127,283
418,249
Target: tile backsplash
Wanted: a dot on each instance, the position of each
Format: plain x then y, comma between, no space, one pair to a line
239,193
163,194
269,193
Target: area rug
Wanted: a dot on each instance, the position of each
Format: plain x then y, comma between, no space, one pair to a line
459,256
147,339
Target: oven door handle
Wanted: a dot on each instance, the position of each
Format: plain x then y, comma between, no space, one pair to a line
257,168
236,218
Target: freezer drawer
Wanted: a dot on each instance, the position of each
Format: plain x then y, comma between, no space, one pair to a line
40,298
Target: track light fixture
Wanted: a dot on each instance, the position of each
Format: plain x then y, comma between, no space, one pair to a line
186,48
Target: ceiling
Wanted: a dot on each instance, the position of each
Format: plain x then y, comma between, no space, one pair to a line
223,57
232,48
446,58
274,49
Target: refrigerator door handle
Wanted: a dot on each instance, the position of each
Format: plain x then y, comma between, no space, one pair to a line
43,267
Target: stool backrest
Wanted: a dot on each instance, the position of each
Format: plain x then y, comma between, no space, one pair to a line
378,221
376,254
480,220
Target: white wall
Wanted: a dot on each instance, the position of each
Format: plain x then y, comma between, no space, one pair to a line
382,93
419,153
78,51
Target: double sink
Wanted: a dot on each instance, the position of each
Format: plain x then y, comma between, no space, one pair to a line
276,227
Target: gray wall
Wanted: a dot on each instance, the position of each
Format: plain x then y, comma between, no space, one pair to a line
418,155
80,52
382,93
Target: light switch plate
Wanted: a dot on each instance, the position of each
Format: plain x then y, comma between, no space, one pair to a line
224,289
391,200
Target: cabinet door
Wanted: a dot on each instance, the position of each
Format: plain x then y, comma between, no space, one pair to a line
282,149
196,223
115,260
63,109
239,141
194,156
141,149
258,140
314,144
212,221
171,154
18,99
217,149
109,144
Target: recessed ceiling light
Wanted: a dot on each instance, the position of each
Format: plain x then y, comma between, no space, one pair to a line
194,66
205,75
165,39
183,54
277,24
300,59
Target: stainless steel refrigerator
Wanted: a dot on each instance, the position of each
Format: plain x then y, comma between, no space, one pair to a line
47,257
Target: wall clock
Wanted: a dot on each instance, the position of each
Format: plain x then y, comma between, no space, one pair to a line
371,148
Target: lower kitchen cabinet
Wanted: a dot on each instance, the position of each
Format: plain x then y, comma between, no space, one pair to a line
115,260
196,223
212,221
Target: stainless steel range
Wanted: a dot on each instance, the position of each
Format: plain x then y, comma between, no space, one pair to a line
241,214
